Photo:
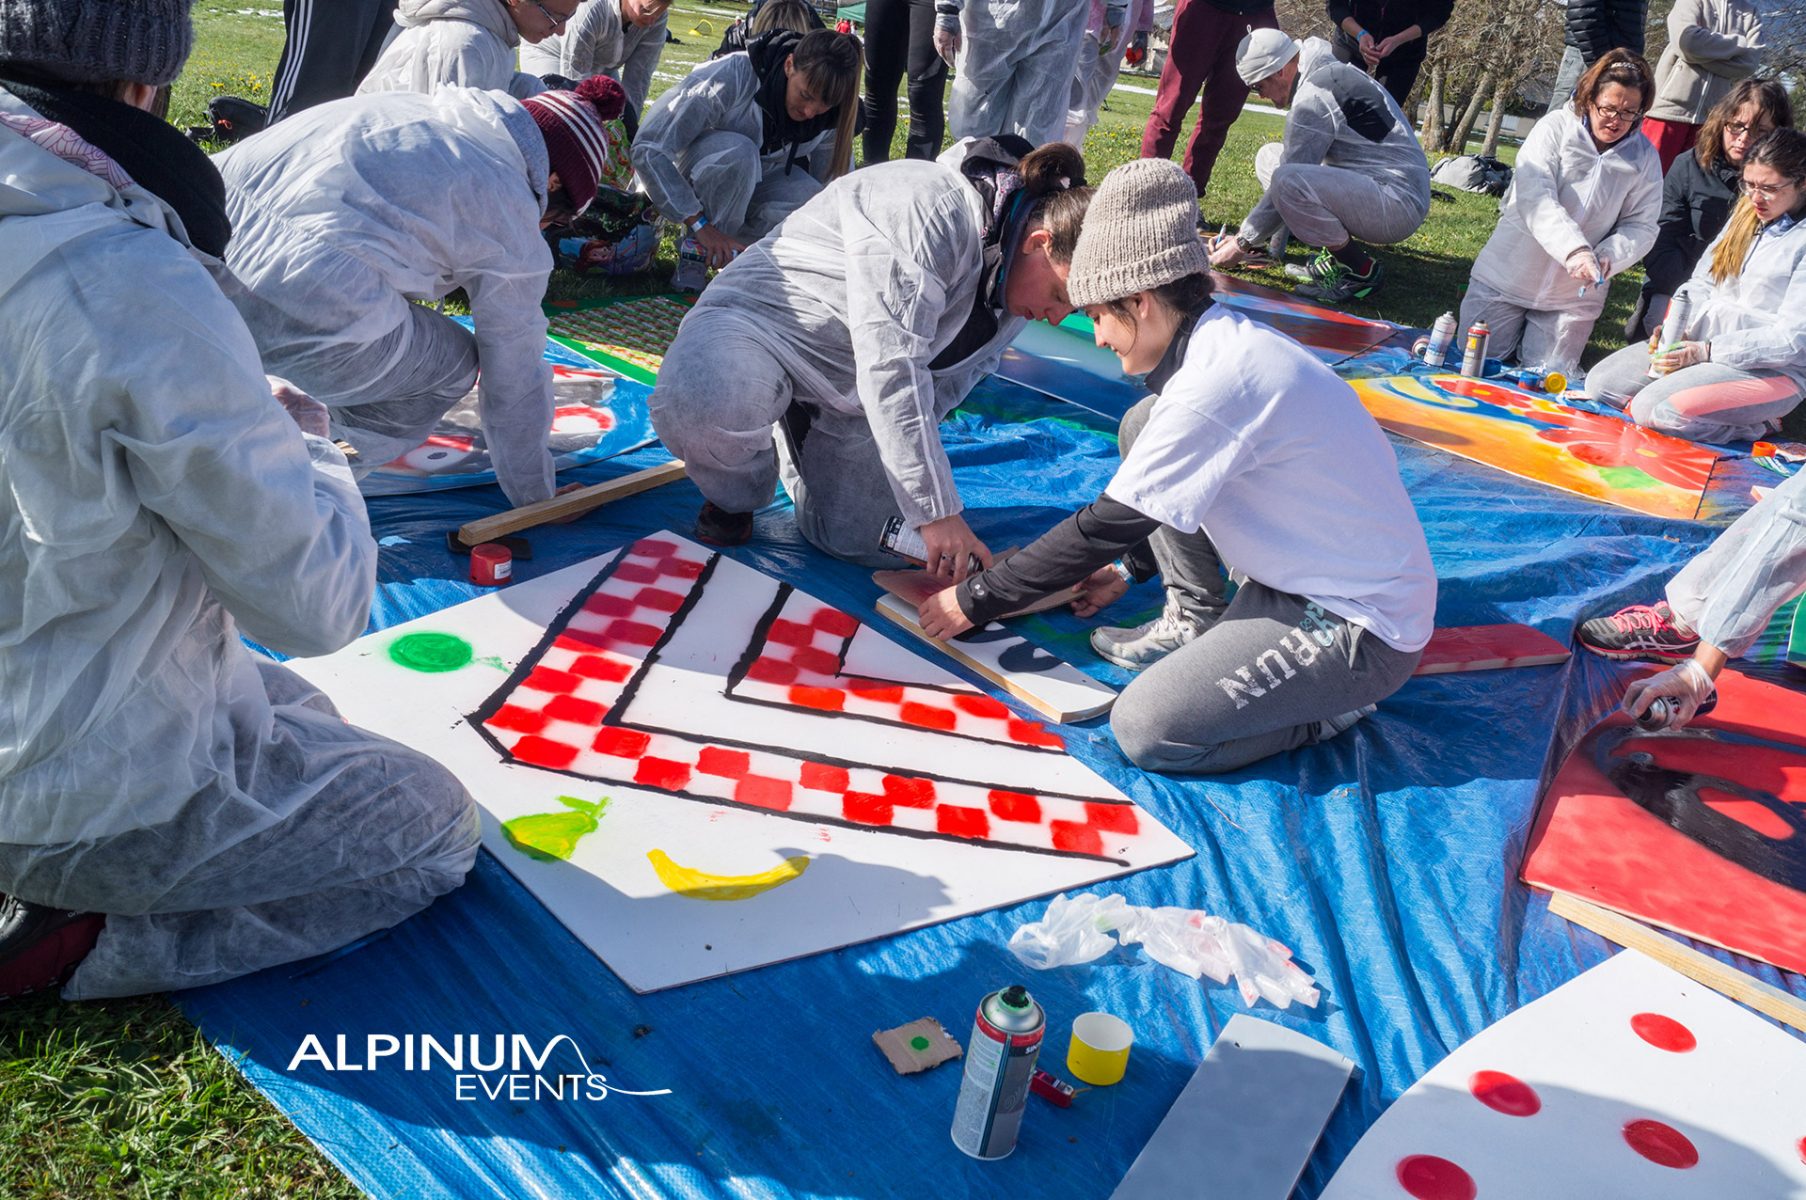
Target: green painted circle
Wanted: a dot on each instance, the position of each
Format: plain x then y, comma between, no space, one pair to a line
430,653
918,1043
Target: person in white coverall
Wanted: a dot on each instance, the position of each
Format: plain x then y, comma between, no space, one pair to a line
854,329
1584,201
199,809
469,43
619,38
1100,61
743,140
346,214
1013,63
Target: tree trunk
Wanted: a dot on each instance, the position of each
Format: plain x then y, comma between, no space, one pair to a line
1463,127
1496,122
1432,117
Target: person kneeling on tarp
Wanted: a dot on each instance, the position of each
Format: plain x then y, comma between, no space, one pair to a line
1251,449
1717,606
346,214
1349,170
1740,365
158,503
856,327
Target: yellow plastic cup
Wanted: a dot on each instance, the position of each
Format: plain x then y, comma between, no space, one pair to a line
1099,1053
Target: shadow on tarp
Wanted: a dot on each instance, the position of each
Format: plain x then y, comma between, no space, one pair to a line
1387,859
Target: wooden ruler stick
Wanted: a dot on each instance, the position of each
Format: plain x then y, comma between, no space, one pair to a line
571,504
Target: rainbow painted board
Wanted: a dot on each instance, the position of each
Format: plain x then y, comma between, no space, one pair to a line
1542,440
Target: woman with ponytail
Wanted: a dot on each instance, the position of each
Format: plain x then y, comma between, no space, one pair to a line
853,330
739,144
1740,365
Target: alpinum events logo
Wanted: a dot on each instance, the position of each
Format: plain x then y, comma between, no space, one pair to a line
497,1066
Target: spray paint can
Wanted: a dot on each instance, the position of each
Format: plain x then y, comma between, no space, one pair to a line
905,541
1663,710
1674,328
1000,1063
1473,359
1536,380
1442,336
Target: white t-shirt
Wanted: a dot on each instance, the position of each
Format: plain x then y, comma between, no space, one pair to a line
1263,448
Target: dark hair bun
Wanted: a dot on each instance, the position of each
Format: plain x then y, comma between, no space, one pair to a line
1051,168
609,100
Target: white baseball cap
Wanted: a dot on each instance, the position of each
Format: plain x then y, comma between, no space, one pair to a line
1262,53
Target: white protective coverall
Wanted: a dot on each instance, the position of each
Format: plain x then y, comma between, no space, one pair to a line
1349,166
598,42
158,502
1566,195
1097,69
698,151
469,43
1015,66
347,212
843,311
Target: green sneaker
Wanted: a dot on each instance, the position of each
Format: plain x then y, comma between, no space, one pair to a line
1314,269
1339,283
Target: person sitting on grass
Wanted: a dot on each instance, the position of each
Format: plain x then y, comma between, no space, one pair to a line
1349,171
1337,596
1740,365
1716,607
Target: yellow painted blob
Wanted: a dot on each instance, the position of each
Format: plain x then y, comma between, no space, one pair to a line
700,885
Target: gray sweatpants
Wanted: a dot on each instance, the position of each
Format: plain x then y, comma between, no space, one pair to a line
1733,587
719,405
1257,682
1551,339
1707,401
729,178
1326,206
327,833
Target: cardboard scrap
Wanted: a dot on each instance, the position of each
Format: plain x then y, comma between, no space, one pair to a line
917,1046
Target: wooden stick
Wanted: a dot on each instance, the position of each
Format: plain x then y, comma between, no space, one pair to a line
1720,977
571,504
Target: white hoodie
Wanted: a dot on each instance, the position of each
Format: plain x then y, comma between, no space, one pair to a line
469,43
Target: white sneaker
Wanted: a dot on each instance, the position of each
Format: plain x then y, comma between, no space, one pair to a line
1329,727
1144,645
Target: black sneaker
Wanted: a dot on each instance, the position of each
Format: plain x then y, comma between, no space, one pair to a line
1645,632
718,527
1336,281
40,947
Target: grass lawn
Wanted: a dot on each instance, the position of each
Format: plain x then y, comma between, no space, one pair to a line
125,1098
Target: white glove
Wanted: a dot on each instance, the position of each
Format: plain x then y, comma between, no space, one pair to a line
1583,266
1108,36
946,37
1686,687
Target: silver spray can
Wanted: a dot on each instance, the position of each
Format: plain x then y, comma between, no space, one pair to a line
1674,328
1442,336
1000,1062
1473,359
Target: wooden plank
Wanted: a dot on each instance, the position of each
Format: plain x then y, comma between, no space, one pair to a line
914,586
1721,977
1489,648
1248,1120
571,504
1055,689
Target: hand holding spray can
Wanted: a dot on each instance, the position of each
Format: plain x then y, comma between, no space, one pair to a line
1000,1063
1674,328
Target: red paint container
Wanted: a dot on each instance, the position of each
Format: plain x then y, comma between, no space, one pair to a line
491,565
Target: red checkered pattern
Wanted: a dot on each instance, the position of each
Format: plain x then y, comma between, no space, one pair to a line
553,719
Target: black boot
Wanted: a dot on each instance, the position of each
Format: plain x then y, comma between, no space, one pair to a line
40,947
718,527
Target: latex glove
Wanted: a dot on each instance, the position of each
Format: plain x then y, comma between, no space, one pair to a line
719,247
951,546
1138,49
1072,931
1370,50
1107,37
1100,589
946,37
308,414
1681,354
1584,266
941,616
1687,687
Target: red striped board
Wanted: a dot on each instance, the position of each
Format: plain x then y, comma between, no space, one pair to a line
1489,648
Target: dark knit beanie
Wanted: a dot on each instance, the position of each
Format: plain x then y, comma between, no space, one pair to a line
98,41
578,142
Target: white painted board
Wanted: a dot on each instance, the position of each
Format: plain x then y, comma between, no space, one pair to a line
1630,1081
1247,1121
821,783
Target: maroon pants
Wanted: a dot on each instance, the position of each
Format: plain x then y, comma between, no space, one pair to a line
1202,56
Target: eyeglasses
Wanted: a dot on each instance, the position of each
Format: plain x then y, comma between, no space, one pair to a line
1739,129
1766,191
557,21
1616,115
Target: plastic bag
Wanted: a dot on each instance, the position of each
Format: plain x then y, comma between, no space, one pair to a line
1187,940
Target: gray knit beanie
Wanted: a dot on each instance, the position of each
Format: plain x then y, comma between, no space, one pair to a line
98,41
1141,231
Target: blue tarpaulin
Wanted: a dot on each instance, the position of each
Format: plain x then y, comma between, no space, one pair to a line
1386,858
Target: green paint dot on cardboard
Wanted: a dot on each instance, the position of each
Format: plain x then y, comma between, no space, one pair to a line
430,653
918,1043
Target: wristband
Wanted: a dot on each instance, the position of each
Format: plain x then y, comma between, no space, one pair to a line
1123,572
695,227
1362,34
